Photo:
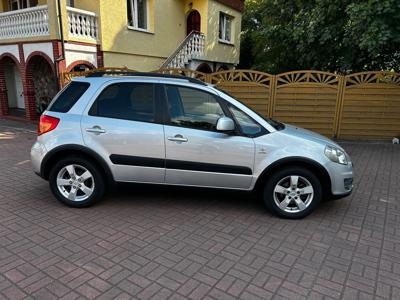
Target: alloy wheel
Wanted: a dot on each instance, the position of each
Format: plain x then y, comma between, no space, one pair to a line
293,194
75,182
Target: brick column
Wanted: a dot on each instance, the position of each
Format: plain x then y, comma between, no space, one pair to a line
28,86
100,57
60,66
3,93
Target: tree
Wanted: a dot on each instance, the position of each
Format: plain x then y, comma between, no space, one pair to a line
332,35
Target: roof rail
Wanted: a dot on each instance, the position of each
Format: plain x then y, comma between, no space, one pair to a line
144,74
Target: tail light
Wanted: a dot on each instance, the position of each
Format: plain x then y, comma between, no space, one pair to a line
47,123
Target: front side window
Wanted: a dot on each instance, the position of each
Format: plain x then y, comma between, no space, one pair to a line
225,27
247,125
127,101
137,14
193,108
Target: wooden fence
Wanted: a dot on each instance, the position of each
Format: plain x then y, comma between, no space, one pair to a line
357,106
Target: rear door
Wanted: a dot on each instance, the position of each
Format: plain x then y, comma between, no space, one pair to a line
196,153
123,125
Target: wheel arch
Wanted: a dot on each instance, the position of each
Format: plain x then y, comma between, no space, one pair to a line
310,164
68,150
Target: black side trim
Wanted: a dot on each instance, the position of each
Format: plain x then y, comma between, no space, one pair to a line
177,164
137,161
206,167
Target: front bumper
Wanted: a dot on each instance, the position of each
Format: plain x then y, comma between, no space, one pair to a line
38,152
341,179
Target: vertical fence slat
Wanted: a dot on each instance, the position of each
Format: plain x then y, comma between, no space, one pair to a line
339,106
272,93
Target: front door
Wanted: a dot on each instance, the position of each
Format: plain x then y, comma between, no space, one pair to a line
193,22
123,126
197,154
19,89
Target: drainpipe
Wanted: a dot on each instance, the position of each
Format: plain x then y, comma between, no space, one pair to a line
62,57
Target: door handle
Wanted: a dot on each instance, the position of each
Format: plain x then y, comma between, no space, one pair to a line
178,138
96,130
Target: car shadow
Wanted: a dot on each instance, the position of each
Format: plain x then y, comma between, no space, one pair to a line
134,195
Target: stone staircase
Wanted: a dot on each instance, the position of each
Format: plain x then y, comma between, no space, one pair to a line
192,47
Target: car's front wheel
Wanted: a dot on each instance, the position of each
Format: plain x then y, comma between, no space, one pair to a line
292,192
76,182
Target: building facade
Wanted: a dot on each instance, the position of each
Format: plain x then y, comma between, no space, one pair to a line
41,39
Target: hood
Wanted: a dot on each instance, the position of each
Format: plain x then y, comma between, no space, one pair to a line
308,135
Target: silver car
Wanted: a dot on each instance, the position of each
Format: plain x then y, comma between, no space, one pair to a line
164,129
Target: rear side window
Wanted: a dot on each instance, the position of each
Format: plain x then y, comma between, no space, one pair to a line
127,101
69,96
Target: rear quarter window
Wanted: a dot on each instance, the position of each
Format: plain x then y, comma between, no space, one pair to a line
68,97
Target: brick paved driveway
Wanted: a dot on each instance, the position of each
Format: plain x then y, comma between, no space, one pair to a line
168,243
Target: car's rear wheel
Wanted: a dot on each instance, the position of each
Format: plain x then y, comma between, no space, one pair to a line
76,182
292,192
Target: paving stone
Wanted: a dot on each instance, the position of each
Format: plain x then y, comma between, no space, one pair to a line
180,243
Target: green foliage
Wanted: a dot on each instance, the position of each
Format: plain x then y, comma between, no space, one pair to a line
331,35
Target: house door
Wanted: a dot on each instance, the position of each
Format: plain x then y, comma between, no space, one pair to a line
193,22
18,88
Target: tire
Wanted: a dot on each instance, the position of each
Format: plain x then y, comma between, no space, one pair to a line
77,182
285,198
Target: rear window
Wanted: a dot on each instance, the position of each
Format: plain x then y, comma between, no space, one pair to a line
69,96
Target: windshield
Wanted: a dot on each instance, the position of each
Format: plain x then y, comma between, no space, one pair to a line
277,125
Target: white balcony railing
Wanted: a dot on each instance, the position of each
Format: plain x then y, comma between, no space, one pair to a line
82,24
22,23
191,47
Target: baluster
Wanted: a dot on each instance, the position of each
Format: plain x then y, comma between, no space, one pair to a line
47,22
35,27
79,24
83,26
94,28
89,26
69,23
38,20
15,26
74,26
30,25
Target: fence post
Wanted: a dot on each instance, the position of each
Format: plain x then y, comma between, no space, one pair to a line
207,78
339,106
272,96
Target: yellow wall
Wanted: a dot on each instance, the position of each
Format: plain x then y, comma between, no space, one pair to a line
136,62
125,46
167,28
202,7
3,5
167,20
90,5
215,50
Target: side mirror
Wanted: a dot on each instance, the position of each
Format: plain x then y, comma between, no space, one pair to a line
225,124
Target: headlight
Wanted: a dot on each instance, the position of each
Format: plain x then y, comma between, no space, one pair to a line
336,155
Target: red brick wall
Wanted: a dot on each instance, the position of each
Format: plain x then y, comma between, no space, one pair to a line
3,92
100,57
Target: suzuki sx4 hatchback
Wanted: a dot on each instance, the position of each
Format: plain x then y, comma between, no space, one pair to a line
163,129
